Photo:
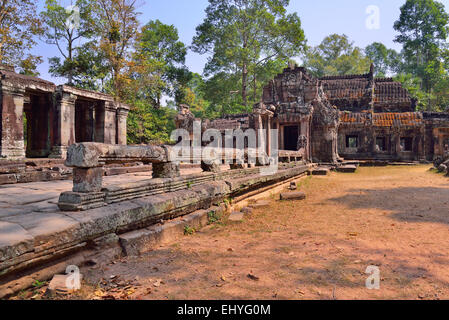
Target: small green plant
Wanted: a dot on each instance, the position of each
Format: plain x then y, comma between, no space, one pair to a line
189,184
214,217
37,284
188,231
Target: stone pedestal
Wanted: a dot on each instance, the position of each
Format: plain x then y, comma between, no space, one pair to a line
166,170
86,180
210,167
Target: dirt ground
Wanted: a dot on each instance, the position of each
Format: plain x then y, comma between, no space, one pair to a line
396,218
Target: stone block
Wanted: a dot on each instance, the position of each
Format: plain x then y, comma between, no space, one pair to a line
236,216
8,179
87,180
293,196
210,167
60,284
166,170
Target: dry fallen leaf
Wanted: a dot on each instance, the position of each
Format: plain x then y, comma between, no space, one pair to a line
253,277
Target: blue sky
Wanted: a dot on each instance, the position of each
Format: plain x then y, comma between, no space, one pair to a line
319,19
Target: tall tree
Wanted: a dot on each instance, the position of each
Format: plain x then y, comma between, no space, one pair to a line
386,61
18,27
423,30
336,55
117,26
244,35
160,57
65,28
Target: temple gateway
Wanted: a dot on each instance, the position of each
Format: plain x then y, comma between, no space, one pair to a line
41,120
352,117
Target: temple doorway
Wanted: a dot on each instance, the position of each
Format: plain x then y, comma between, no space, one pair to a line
291,134
37,124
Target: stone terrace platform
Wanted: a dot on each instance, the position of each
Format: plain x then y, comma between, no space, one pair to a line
34,232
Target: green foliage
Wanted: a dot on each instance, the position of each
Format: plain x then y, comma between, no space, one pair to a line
386,61
336,55
188,231
64,35
19,26
243,37
147,124
214,217
37,284
160,68
423,30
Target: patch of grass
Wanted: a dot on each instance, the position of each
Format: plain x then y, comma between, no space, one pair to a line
189,184
188,231
304,182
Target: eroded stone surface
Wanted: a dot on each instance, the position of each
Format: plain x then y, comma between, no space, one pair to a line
293,196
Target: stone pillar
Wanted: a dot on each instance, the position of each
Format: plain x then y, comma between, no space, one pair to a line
11,143
269,136
304,131
109,123
87,180
122,115
65,129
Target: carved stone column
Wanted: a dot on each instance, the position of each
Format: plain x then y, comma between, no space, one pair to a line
105,122
65,129
122,116
12,140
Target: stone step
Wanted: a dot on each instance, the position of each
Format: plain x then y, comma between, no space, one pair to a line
322,171
347,169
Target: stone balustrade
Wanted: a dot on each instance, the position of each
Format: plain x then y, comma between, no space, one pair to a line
88,161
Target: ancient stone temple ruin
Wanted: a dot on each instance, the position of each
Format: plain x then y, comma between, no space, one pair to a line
352,117
41,120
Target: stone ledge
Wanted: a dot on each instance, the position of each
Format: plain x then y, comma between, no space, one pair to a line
137,242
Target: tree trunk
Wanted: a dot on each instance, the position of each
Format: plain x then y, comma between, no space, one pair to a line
70,76
244,84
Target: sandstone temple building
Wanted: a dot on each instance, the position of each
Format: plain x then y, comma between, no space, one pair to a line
41,120
352,117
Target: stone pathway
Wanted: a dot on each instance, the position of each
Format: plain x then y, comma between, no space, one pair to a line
30,209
